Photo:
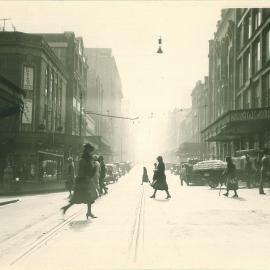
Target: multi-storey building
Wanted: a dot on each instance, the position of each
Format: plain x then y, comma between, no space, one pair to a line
70,50
11,105
239,73
252,92
221,86
107,96
35,143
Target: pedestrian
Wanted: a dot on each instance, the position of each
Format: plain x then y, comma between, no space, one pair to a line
84,191
159,179
265,169
102,187
231,179
70,175
8,176
248,171
97,173
145,178
154,172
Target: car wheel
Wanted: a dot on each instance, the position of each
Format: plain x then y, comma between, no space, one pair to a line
212,183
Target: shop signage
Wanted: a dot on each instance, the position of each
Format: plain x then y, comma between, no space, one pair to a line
27,112
28,78
260,114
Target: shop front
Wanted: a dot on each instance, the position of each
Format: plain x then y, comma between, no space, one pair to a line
237,131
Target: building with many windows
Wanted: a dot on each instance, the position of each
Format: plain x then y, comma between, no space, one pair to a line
105,97
239,71
35,145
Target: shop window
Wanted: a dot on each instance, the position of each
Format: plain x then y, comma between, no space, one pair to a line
257,96
267,44
241,36
257,56
266,90
247,66
257,18
240,73
249,27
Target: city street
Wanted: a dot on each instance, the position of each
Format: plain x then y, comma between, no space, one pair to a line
195,229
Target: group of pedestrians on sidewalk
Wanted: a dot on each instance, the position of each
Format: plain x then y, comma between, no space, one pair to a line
159,178
89,182
231,178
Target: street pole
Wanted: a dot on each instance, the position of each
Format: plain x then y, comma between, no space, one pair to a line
80,127
4,20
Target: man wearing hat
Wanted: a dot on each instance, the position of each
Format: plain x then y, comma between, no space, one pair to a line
264,170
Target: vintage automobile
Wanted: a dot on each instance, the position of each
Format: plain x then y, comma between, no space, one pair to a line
111,174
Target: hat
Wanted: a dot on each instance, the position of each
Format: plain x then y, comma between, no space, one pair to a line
89,147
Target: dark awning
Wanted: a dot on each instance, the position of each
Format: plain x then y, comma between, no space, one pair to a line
10,110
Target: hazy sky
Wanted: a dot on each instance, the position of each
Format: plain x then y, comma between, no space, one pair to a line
150,81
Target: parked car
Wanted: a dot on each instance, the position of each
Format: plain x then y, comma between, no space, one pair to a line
111,174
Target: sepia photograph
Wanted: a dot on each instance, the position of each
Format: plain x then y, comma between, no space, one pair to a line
134,135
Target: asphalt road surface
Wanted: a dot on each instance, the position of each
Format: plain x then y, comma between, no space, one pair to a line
195,229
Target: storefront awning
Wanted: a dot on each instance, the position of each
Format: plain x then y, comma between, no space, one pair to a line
236,124
50,154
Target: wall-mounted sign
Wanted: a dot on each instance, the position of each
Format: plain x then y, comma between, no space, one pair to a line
27,112
260,114
28,78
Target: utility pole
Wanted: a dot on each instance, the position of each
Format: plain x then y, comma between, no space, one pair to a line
80,127
4,20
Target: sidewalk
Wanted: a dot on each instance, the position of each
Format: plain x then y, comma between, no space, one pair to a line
33,187
8,200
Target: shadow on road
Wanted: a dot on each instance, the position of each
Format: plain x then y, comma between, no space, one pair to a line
162,200
79,225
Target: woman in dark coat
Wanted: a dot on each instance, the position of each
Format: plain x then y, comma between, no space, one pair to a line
159,181
145,178
70,175
230,174
84,191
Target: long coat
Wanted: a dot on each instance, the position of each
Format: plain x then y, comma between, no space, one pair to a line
70,176
85,188
230,173
145,176
159,181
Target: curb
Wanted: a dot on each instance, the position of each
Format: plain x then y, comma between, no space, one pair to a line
8,202
33,192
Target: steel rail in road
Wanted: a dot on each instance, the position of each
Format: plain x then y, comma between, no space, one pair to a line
137,237
41,241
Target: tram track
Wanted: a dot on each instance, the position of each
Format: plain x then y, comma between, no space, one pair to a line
43,239
137,235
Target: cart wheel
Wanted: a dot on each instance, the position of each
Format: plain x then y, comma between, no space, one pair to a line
212,183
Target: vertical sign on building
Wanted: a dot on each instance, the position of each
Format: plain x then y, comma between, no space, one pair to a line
28,78
28,84
27,111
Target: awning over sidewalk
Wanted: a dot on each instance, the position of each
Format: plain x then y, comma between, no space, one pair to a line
10,98
189,147
236,124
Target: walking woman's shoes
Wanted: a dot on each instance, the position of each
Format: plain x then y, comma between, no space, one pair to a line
168,197
153,196
63,209
225,194
90,215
